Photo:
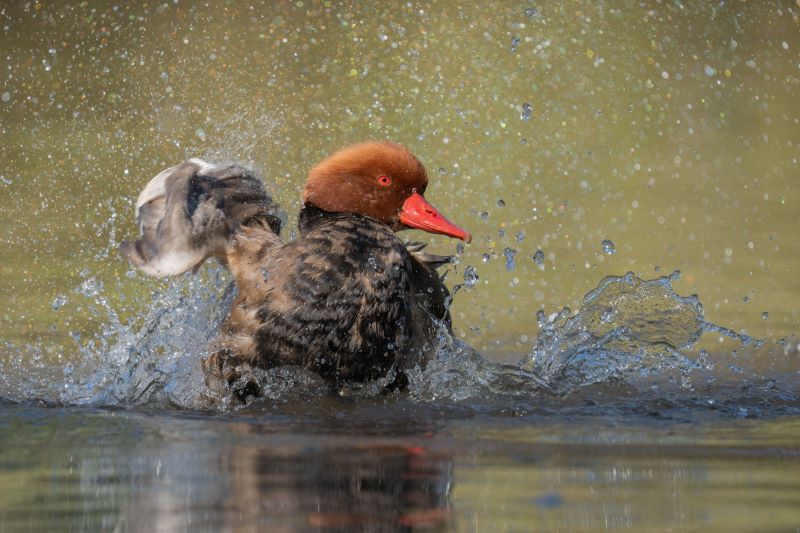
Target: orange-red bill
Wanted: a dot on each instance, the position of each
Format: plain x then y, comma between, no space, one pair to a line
419,214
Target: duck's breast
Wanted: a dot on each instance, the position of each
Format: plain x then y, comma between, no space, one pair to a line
339,300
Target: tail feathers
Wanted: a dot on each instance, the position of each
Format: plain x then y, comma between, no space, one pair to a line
190,212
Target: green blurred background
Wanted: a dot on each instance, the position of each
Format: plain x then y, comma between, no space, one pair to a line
671,129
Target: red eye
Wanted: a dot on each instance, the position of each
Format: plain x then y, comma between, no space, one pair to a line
384,180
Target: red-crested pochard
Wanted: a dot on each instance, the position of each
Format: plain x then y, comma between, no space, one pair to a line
347,299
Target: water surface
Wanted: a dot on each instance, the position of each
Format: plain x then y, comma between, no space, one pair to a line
393,467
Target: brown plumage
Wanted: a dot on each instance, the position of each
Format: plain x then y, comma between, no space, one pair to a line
347,299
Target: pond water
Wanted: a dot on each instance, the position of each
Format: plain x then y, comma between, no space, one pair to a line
403,466
626,351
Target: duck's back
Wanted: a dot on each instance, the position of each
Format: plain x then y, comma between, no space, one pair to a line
346,300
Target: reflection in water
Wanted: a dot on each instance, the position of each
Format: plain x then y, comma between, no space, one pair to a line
273,482
383,487
76,469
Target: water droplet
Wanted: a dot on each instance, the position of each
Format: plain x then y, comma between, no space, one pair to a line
470,277
608,247
520,236
484,215
531,12
59,302
501,203
765,315
485,258
527,111
538,257
90,288
514,43
709,70
509,254
6,96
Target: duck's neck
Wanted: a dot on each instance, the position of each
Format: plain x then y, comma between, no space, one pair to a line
311,216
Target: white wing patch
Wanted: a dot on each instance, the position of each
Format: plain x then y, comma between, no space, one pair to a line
156,188
173,263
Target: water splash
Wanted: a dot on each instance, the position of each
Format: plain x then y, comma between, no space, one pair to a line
632,337
158,362
241,133
628,329
458,372
632,341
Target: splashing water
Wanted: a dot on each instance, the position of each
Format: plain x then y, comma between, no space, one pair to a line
627,329
159,362
628,333
632,337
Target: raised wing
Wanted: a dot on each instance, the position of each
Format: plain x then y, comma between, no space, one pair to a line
190,212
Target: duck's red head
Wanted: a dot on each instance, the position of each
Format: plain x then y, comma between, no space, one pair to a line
382,180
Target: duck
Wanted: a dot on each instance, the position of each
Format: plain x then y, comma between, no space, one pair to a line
347,299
